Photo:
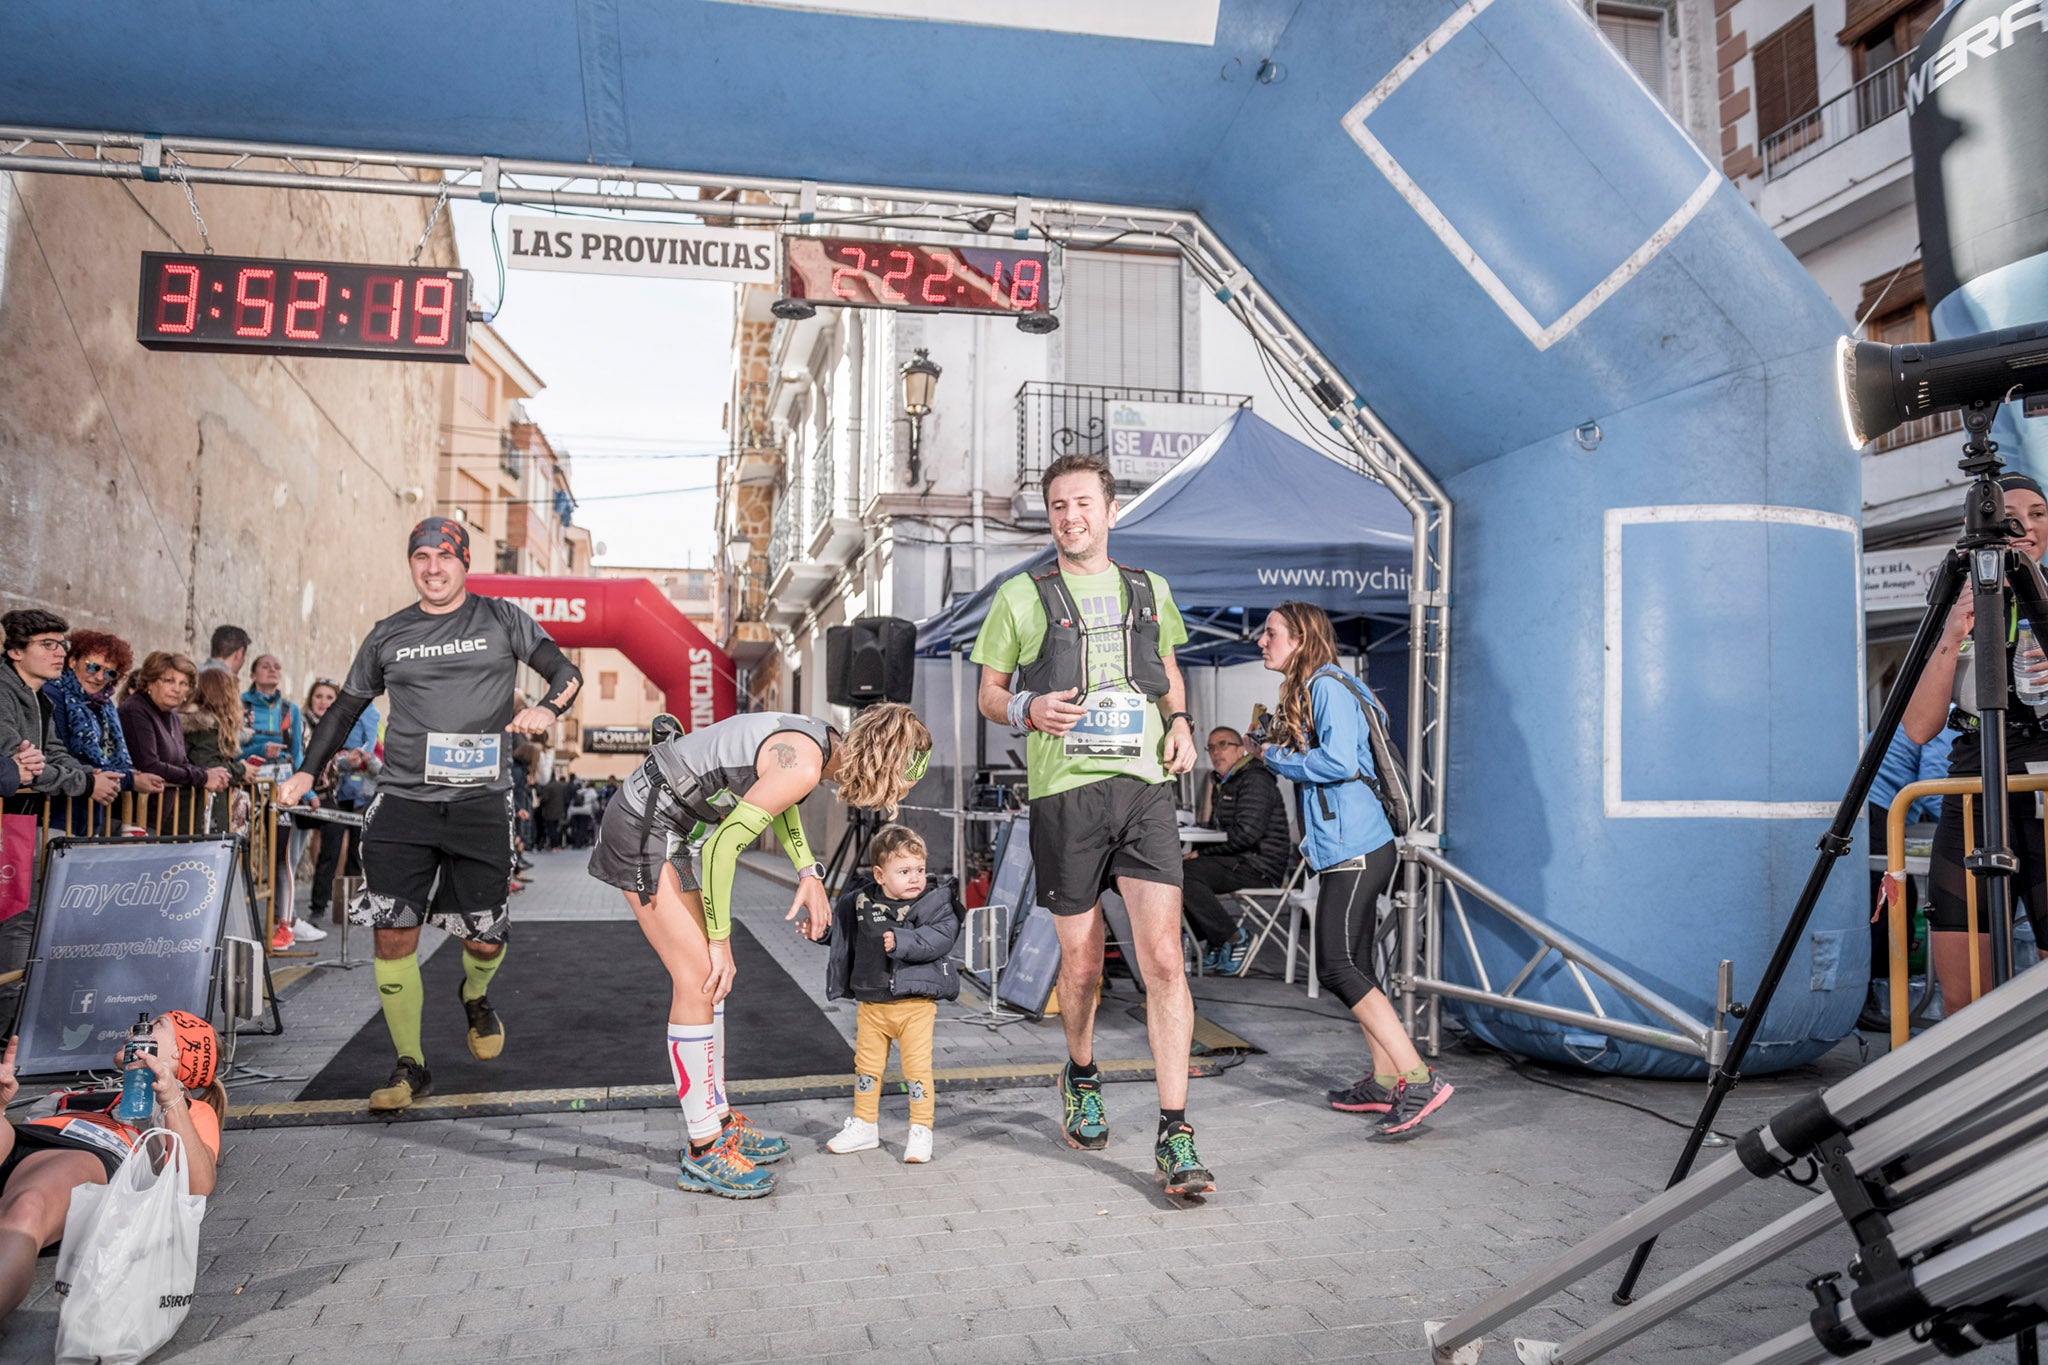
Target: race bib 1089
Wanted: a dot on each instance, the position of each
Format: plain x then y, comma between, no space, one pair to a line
1112,726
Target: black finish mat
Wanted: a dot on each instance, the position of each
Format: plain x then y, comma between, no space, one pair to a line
586,1004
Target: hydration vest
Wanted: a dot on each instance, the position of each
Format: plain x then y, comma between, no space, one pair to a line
1061,658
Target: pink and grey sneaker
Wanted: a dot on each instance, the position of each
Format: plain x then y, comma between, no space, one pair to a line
1368,1096
1412,1103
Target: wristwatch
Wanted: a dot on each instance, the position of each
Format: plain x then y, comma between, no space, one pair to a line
1181,715
814,870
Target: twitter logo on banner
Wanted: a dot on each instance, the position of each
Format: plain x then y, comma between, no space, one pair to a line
75,1037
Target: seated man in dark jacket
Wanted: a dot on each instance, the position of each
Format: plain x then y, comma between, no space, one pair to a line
1248,809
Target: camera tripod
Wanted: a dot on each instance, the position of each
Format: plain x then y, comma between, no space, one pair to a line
1983,556
850,854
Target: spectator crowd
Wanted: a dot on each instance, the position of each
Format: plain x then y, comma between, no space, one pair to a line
164,746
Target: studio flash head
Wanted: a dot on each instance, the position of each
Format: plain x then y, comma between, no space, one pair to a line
1883,386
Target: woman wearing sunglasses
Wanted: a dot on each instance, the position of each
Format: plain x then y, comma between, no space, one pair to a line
85,718
730,782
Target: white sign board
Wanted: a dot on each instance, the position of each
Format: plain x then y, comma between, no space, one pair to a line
1894,579
1147,439
670,251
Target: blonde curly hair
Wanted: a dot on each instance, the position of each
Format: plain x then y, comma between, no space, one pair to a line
875,756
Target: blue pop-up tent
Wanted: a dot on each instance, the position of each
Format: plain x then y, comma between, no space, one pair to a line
1250,518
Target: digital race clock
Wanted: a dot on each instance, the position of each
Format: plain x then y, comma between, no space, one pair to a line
266,307
914,276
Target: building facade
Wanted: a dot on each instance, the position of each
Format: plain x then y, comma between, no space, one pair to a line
827,515
158,495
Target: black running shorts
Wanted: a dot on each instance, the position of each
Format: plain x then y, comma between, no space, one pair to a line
444,863
1948,908
1084,838
629,851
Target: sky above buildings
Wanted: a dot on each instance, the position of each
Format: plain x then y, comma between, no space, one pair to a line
638,372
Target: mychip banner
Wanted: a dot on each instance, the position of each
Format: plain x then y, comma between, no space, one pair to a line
128,927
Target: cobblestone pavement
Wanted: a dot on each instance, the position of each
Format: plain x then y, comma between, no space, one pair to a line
562,1236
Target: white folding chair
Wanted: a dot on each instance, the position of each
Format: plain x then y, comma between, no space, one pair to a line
1263,907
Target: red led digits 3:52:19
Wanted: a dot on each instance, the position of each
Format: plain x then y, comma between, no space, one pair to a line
279,307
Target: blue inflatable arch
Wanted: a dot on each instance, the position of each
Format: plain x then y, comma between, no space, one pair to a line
1486,227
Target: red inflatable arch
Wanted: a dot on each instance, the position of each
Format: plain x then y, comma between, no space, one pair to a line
634,617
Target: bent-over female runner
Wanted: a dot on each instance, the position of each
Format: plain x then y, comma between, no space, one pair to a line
736,779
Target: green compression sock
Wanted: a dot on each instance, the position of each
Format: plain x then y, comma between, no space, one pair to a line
478,971
399,991
1419,1076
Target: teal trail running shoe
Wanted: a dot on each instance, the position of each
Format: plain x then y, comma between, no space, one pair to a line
755,1145
1087,1127
1180,1167
724,1172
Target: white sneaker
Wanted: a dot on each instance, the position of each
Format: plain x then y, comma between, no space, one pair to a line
919,1148
304,931
857,1136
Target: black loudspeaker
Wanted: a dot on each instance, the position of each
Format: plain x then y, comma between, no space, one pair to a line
874,659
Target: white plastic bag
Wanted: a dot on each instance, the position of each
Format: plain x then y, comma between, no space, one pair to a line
130,1258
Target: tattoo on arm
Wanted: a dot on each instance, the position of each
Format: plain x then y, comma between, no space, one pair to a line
785,755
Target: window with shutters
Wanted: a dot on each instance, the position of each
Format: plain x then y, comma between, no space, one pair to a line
1879,32
1121,320
1787,77
1638,35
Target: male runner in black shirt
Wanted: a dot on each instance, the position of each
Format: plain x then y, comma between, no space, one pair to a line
437,840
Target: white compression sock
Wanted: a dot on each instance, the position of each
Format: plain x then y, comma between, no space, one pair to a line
722,1105
690,1049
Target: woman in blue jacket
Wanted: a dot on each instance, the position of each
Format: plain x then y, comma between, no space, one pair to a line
1323,747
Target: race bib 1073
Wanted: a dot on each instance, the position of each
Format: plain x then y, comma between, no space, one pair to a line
462,760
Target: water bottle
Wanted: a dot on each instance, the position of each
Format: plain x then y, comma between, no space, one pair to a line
138,1084
2030,691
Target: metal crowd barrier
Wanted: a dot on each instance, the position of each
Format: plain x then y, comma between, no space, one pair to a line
171,812
1897,930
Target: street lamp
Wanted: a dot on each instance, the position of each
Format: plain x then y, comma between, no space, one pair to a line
920,381
738,551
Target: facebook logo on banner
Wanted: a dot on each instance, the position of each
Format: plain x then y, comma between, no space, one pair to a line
82,1001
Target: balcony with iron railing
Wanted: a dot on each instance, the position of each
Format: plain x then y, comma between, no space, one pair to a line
786,538
1862,106
1067,419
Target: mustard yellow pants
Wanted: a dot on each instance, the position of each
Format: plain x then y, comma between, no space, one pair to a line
907,1023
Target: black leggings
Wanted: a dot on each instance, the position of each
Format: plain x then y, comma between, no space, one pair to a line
1347,914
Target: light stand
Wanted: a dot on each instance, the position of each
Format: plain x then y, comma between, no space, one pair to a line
1984,556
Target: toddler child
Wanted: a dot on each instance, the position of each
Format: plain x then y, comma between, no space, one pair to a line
892,940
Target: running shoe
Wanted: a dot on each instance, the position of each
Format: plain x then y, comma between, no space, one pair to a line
918,1149
755,1145
1180,1166
724,1172
409,1081
486,1029
305,931
1087,1127
1366,1097
855,1135
281,937
1413,1103
1230,958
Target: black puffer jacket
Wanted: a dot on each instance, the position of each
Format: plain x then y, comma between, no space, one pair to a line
921,966
1253,818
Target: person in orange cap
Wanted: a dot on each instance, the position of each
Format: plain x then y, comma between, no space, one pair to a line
42,1160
